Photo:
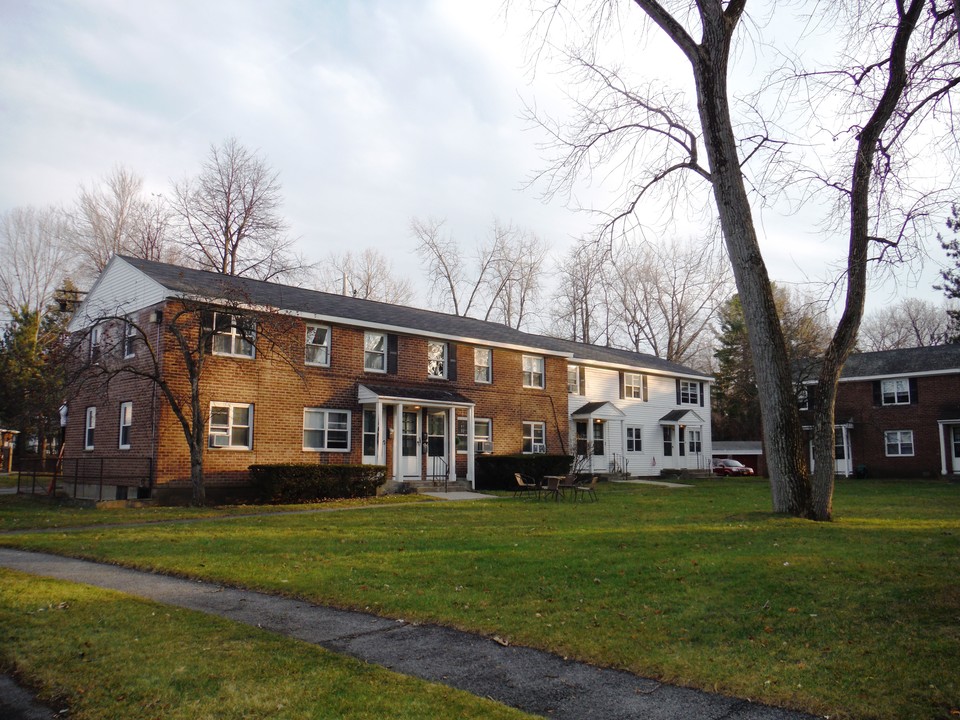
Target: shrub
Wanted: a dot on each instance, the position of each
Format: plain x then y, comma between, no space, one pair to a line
495,472
302,482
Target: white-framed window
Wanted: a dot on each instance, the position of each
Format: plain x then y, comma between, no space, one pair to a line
633,385
534,437
803,398
126,421
129,339
375,352
694,441
89,426
317,345
899,443
634,438
436,359
532,371
483,435
483,365
895,392
573,379
231,426
96,335
689,392
233,335
369,433
327,430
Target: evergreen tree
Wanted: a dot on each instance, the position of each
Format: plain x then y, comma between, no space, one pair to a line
32,375
951,277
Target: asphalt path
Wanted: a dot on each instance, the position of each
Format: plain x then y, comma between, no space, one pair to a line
534,681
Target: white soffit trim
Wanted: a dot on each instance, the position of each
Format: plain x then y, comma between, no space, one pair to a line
643,370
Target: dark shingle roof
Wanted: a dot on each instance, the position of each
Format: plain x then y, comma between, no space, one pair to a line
903,362
187,281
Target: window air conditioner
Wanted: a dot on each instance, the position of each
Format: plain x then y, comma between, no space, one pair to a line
539,448
485,447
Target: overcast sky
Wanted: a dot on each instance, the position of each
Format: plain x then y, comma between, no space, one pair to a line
373,112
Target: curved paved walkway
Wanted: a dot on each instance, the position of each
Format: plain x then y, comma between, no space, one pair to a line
531,680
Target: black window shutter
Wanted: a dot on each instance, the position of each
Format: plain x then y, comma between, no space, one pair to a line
206,328
451,361
393,344
877,394
701,394
913,391
583,379
644,381
678,391
623,389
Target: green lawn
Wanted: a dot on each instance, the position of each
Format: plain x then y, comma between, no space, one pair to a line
104,654
702,586
24,512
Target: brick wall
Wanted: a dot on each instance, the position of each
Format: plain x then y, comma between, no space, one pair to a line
279,385
935,398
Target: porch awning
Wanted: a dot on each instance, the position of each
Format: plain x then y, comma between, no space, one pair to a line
685,417
603,409
413,396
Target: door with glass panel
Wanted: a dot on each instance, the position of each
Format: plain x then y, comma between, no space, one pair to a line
437,445
410,445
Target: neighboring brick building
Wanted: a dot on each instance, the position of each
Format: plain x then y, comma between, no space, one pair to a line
898,413
294,375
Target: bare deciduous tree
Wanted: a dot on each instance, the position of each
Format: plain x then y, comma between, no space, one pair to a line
500,283
895,77
105,217
365,275
580,310
37,255
668,295
115,217
912,322
229,216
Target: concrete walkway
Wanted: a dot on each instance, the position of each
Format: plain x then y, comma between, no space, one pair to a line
531,680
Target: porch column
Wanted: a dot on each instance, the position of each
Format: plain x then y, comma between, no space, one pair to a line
380,455
397,432
943,448
471,448
452,445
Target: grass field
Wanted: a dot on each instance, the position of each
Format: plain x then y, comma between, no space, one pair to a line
105,655
700,586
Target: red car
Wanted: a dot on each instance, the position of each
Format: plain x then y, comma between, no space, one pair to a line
731,467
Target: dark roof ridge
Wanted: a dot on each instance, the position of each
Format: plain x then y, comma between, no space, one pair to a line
318,302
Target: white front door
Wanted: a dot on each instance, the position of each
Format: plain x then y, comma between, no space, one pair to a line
410,445
841,452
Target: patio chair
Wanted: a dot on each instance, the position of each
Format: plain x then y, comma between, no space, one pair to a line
552,488
525,486
579,491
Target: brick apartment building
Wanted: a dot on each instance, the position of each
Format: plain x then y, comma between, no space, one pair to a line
898,413
295,375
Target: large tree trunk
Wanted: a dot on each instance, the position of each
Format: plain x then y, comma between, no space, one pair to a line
783,441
